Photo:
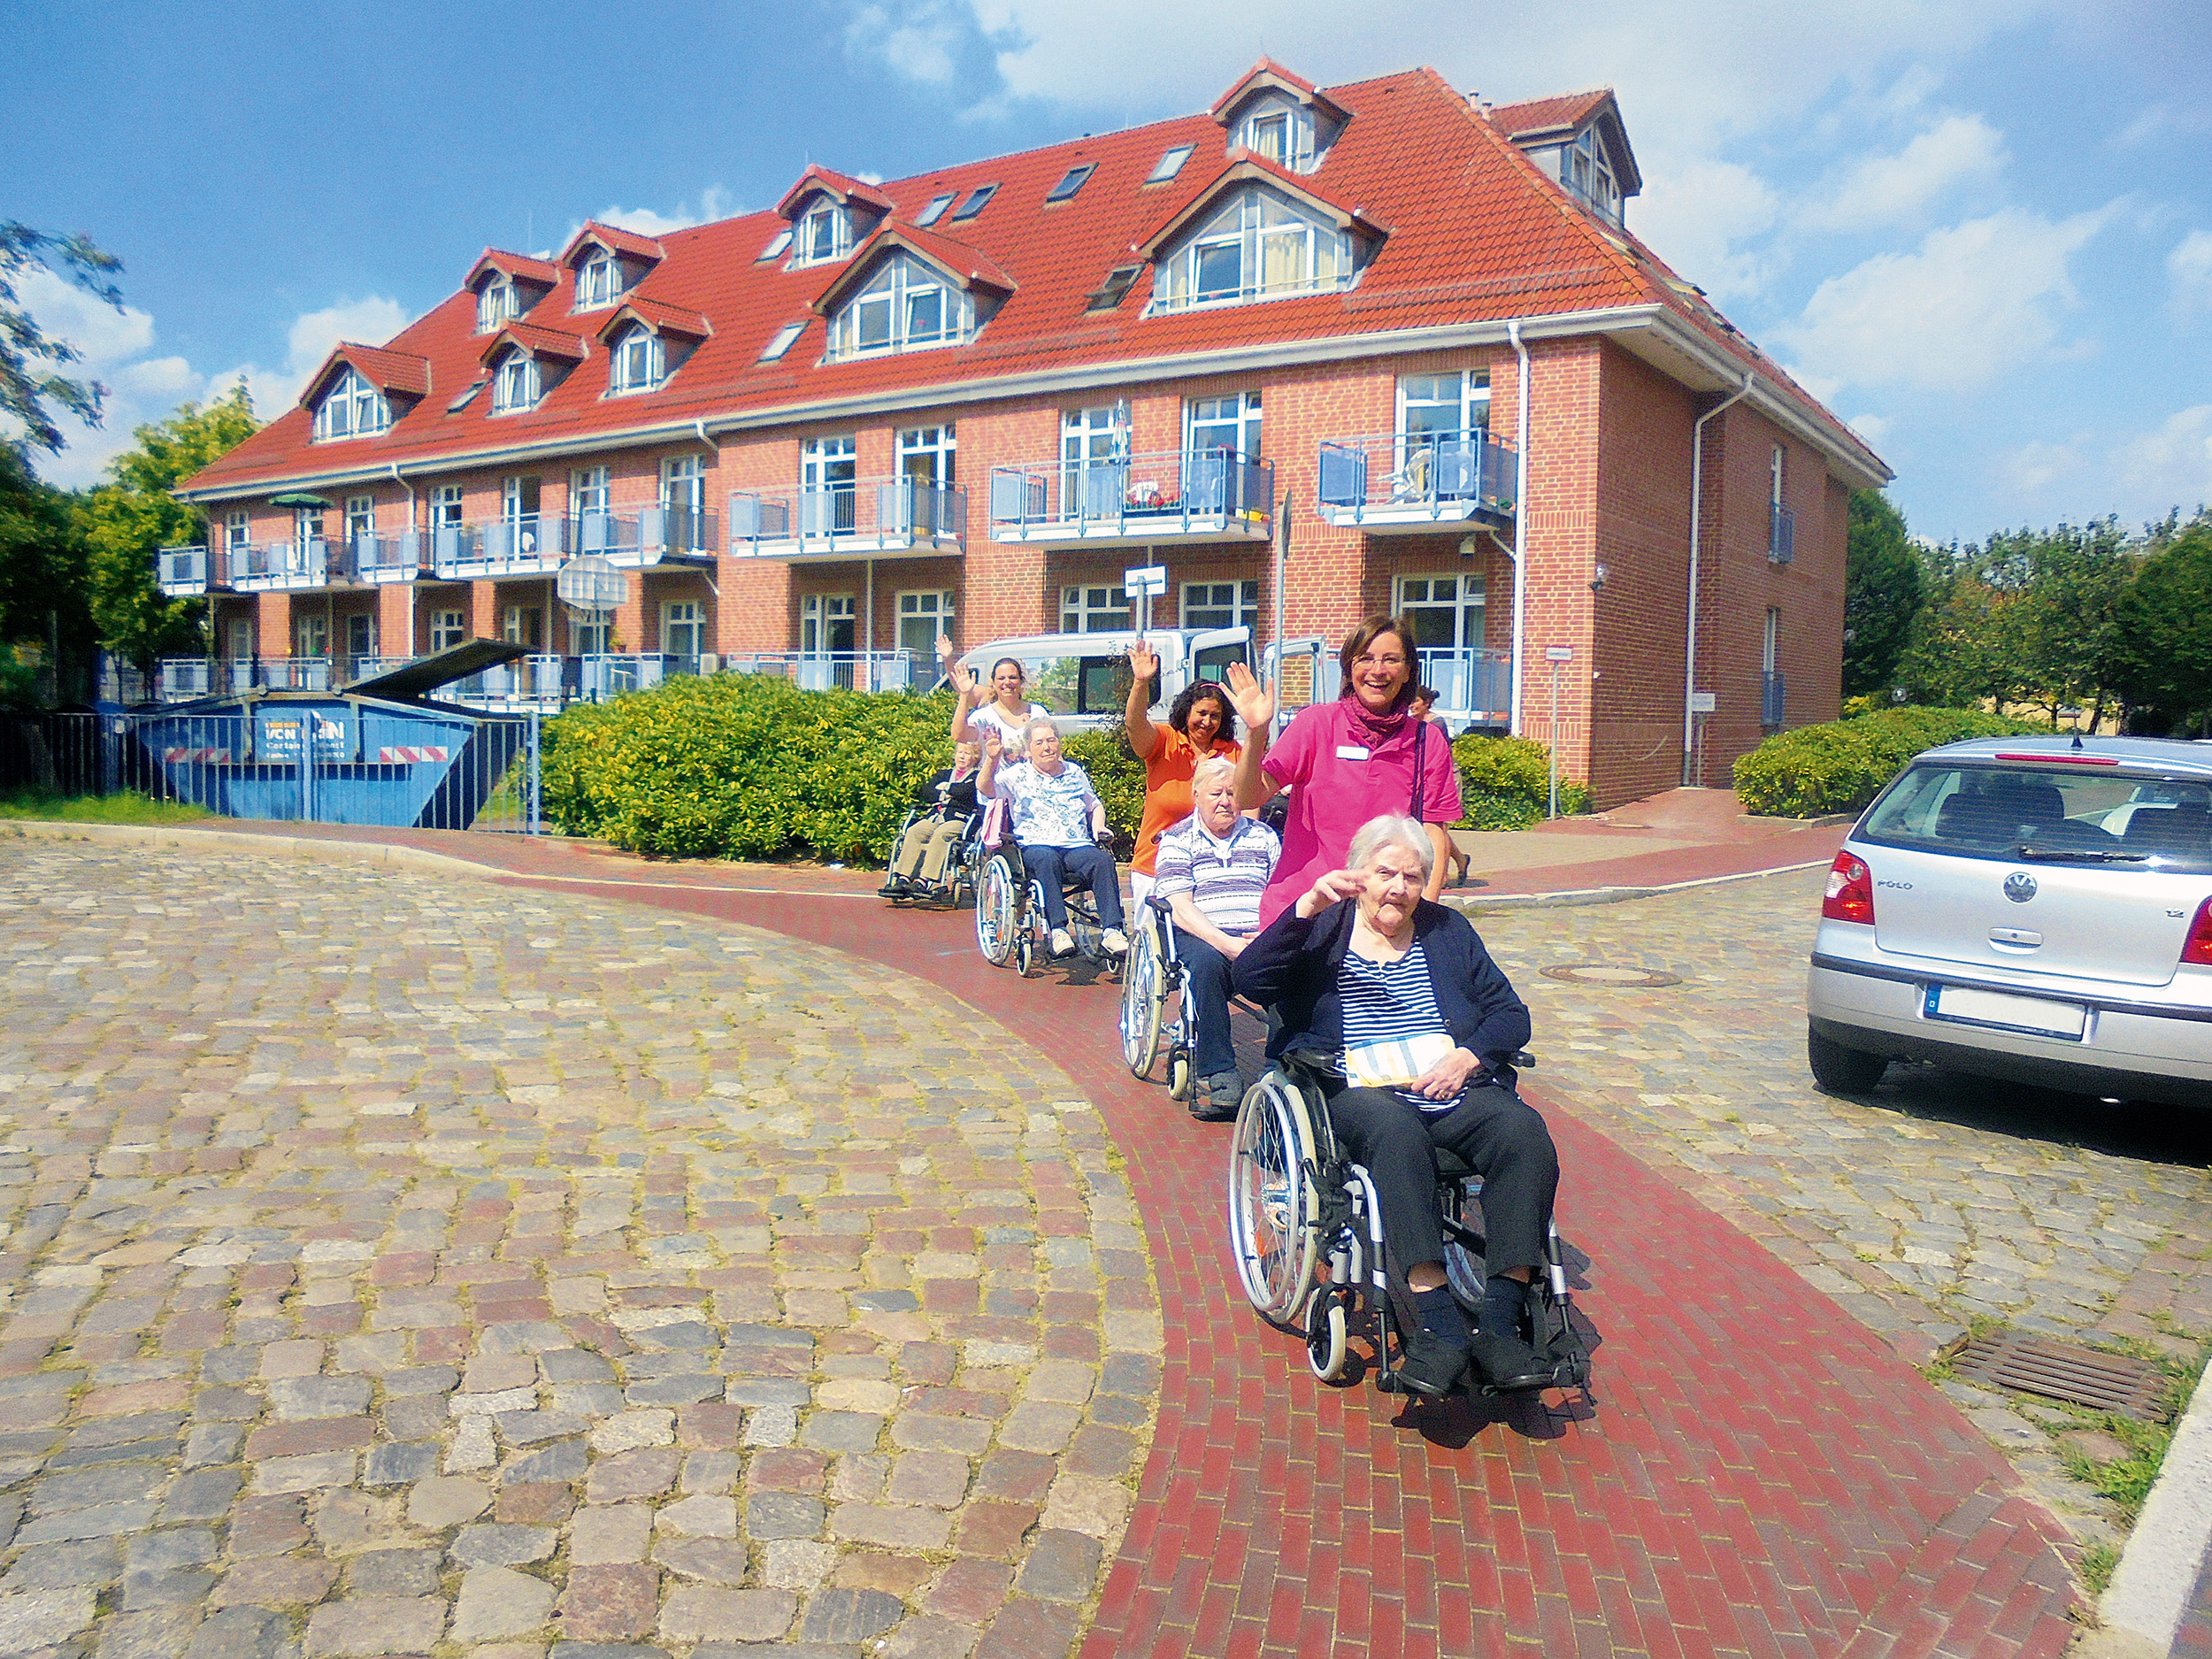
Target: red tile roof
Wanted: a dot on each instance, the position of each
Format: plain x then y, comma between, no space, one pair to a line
1242,166
837,184
1267,73
539,343
1478,235
388,370
615,240
1568,110
957,259
661,319
514,264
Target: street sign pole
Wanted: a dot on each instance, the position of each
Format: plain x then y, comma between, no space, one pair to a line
1143,583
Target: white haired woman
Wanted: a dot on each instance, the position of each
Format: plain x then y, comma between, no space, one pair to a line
1058,823
1364,967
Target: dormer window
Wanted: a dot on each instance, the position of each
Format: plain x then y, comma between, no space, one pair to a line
1279,132
599,282
638,363
1259,246
1587,175
825,233
499,301
515,384
351,409
906,306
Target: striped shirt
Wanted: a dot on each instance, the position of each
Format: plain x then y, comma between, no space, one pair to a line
1223,876
1391,1003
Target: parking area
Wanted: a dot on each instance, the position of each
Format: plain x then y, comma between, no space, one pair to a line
1937,1199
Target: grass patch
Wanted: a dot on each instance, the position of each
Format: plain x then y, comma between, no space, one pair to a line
97,809
2098,1562
2126,1480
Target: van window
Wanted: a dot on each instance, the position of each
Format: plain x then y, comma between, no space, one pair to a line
1079,685
1213,661
2061,814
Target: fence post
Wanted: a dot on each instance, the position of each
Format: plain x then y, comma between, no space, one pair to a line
531,798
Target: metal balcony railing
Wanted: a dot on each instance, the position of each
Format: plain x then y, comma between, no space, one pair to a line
273,565
533,545
1472,682
868,515
646,536
181,678
842,670
1773,698
1184,493
1781,533
293,673
183,570
1409,478
387,556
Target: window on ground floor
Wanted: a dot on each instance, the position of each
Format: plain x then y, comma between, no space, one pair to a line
524,625
826,624
1447,610
242,636
1093,609
1220,604
361,636
683,627
448,629
310,636
923,615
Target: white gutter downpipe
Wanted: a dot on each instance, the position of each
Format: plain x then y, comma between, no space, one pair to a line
1520,521
1697,510
410,488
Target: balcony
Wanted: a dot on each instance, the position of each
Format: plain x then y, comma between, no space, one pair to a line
540,682
292,673
1473,684
1392,483
183,572
849,520
285,566
530,546
838,670
1773,699
653,535
388,556
1781,533
1211,495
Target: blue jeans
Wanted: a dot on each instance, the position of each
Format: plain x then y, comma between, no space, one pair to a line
1206,983
1056,866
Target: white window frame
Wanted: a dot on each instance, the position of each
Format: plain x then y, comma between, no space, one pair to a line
823,235
360,517
935,210
361,630
1468,601
311,635
521,504
1241,420
1242,606
929,454
1295,151
498,301
684,484
638,363
1255,223
819,613
689,614
240,638
1470,399
238,530
1093,608
929,612
829,466
447,501
781,341
587,490
1170,164
1588,175
599,282
448,629
516,384
1778,475
514,625
351,408
898,284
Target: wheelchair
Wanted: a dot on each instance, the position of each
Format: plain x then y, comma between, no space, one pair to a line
1150,979
1305,1227
960,868
1011,928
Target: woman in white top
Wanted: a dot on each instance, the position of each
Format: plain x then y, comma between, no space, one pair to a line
1003,712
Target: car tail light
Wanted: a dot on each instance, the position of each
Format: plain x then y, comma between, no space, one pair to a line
1850,897
2198,948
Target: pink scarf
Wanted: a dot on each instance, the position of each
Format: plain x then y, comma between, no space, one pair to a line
1375,730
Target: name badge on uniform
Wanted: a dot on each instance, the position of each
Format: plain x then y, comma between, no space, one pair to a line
1350,751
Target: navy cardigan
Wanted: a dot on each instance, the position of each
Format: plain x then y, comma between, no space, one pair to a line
1294,966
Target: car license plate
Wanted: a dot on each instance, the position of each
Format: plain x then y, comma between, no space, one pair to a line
1968,1006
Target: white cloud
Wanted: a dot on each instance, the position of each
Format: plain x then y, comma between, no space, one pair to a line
2190,267
1896,189
1976,299
2171,464
101,334
923,46
2031,469
1696,214
1873,428
367,322
714,202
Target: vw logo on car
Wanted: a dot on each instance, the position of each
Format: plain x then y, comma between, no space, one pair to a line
2019,886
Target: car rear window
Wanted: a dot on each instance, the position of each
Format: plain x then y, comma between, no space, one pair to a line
2063,814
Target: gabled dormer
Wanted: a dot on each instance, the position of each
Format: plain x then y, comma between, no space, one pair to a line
1579,139
647,342
608,262
359,391
1257,232
830,215
507,286
908,290
1279,117
527,362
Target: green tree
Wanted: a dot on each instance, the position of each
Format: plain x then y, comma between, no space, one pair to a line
2062,625
30,382
127,518
42,610
2161,655
1881,594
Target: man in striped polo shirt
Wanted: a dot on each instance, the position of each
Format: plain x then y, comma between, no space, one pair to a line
1213,866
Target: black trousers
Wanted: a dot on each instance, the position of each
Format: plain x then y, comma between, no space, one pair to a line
1504,1139
1056,866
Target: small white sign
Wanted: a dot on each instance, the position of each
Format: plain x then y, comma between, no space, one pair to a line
1150,579
1559,653
1701,703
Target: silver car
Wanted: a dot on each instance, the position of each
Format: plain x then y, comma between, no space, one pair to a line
2033,909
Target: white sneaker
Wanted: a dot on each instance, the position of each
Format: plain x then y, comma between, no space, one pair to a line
1115,942
1062,945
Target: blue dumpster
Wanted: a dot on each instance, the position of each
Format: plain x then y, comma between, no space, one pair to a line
379,751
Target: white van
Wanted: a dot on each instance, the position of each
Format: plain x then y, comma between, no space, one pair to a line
1083,678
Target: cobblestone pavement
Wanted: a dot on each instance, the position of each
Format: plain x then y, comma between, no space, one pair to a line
1937,1199
400,1265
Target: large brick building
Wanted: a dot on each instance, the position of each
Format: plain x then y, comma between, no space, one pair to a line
1383,333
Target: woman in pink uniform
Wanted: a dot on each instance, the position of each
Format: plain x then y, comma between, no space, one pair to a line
1347,762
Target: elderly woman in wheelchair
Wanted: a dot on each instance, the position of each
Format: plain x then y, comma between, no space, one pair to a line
1390,1110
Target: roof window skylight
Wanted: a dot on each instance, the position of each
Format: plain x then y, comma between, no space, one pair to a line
1170,164
781,343
465,398
935,210
977,199
777,244
1115,289
1071,182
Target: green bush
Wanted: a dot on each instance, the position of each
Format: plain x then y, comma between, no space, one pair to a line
1505,783
743,766
1839,767
1115,773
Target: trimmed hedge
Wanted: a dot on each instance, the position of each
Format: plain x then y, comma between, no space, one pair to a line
1505,783
1115,773
1839,767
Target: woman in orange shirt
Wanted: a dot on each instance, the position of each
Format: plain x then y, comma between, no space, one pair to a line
1200,724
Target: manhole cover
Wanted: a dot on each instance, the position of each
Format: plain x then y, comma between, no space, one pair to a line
1609,973
2060,1370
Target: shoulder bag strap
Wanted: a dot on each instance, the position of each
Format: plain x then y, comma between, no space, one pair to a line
1420,732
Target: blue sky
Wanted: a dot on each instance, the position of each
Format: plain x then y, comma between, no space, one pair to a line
1981,230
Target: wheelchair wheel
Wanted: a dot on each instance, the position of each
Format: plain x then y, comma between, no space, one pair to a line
1272,1209
1178,1075
1327,1327
1463,1267
995,919
1143,994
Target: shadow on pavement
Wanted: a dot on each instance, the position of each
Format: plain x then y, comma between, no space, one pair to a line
2142,1131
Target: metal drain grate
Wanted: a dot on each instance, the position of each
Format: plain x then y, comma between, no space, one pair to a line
2060,1370
1610,973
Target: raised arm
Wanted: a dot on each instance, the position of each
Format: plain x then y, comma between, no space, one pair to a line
1255,707
964,682
1136,720
986,775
